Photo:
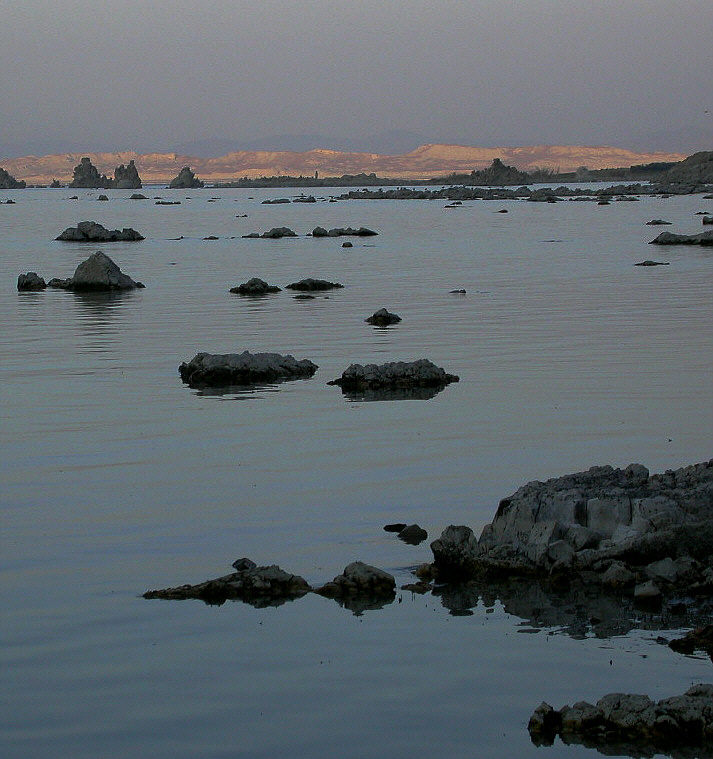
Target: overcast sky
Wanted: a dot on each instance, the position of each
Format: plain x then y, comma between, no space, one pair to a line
146,75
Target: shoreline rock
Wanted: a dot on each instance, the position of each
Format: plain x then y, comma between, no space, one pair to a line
223,370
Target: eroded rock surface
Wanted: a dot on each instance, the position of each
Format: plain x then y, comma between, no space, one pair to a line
669,238
222,370
185,179
394,374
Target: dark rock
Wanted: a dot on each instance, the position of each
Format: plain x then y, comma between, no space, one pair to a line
242,564
649,262
359,579
30,281
634,725
303,296
383,318
395,527
255,286
8,182
258,586
223,370
275,233
86,175
90,231
657,222
460,291
699,639
186,179
97,273
396,374
305,199
127,177
347,244
707,219
311,285
413,534
168,203
343,231
275,201
102,197
668,238
138,196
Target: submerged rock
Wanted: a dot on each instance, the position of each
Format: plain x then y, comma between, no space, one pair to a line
222,370
395,374
91,231
255,286
413,534
359,579
310,285
631,724
258,586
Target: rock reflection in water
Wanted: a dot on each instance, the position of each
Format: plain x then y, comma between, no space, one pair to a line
392,394
579,610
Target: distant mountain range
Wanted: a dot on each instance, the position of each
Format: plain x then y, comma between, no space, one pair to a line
426,161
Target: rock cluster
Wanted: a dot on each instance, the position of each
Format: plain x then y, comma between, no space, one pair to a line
8,182
394,374
224,370
620,723
669,238
97,273
255,286
90,231
619,528
310,285
276,233
185,179
343,231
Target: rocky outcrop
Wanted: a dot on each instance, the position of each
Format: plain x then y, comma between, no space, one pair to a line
127,177
90,231
383,318
359,579
311,285
651,534
8,182
186,179
30,281
223,370
276,233
629,724
258,586
97,273
86,175
649,262
395,374
255,286
657,223
669,238
343,231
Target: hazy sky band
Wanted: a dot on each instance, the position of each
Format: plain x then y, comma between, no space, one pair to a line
149,75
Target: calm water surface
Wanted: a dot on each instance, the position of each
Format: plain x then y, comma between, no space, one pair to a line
116,478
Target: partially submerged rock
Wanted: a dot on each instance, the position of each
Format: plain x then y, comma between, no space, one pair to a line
90,231
669,238
222,370
276,233
97,273
657,223
310,285
255,286
649,262
631,724
31,281
258,586
413,534
383,318
359,579
343,231
394,374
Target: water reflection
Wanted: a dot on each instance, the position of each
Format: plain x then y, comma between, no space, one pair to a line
237,392
392,393
579,610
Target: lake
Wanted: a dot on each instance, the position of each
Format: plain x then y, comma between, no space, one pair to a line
117,478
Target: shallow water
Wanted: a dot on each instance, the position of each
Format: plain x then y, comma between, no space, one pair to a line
116,478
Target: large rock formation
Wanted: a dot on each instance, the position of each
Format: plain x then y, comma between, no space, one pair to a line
224,370
669,238
90,231
617,527
186,179
8,182
127,177
98,272
86,175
